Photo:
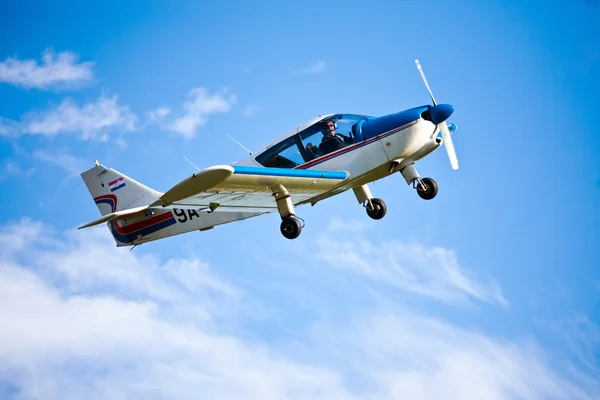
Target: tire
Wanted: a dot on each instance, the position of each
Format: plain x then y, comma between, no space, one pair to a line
430,191
291,228
378,210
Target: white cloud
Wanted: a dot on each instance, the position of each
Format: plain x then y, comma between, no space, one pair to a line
315,68
8,127
15,237
73,165
428,271
415,357
83,319
251,110
198,108
11,168
144,328
158,114
55,69
579,336
90,121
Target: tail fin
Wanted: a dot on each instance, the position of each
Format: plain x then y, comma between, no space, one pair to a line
113,191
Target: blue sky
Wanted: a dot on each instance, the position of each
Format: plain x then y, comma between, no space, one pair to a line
488,291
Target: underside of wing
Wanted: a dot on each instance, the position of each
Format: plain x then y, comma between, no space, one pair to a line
248,187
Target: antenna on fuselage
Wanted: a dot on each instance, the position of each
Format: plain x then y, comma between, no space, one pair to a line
241,145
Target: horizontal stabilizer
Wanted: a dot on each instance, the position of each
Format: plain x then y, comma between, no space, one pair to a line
114,215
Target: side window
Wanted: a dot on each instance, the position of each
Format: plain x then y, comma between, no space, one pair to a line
311,139
283,155
289,157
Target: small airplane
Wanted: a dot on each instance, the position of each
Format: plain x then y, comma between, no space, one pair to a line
318,159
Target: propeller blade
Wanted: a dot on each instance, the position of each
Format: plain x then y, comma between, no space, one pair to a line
449,145
442,113
425,80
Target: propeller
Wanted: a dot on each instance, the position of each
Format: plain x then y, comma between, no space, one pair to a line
439,113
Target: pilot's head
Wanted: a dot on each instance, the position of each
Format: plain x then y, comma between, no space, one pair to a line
329,128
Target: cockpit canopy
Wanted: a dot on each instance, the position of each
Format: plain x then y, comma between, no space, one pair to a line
307,144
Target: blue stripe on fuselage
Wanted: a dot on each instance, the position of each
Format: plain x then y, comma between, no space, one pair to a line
295,173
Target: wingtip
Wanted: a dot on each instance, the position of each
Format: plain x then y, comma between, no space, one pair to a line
229,168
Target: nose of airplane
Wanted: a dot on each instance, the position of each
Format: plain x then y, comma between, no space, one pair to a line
440,113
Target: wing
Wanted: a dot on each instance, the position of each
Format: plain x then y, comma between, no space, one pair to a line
248,187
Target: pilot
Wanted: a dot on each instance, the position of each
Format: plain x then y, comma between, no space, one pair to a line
332,141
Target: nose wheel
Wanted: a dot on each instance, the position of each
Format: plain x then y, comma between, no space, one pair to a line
376,208
427,188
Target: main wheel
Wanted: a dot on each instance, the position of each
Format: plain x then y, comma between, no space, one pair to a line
291,228
430,190
377,210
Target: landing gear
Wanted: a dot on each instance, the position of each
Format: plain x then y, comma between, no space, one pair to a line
290,224
427,188
290,227
376,208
